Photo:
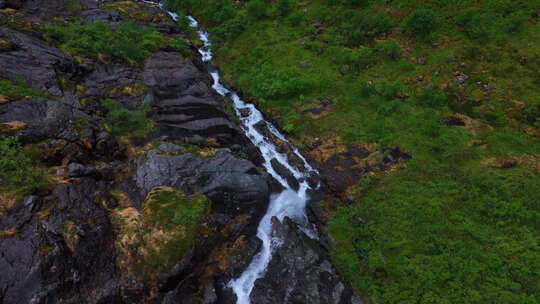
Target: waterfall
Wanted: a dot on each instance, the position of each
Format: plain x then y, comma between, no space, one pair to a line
289,203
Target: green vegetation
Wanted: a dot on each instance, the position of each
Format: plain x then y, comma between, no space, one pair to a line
125,122
19,171
162,234
11,91
129,41
72,5
449,226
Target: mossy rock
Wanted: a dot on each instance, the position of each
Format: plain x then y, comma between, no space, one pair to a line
138,11
134,89
12,126
162,233
6,45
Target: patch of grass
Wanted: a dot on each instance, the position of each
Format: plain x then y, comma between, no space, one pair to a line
129,41
19,172
125,122
162,234
12,91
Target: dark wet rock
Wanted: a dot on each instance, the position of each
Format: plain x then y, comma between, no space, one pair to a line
114,81
344,169
460,78
507,164
453,121
15,4
300,272
183,104
77,133
45,262
111,17
229,182
314,111
169,27
325,102
245,112
285,173
37,62
394,155
79,170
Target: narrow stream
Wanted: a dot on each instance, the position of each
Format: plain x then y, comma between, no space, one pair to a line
289,203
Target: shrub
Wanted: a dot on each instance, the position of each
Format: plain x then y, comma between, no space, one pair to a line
129,41
391,89
421,24
476,24
282,7
122,121
390,49
181,45
367,89
359,27
256,9
432,97
229,30
18,171
267,82
357,59
514,23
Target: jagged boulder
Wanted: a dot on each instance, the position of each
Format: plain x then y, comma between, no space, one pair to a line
58,250
35,61
74,132
300,272
230,182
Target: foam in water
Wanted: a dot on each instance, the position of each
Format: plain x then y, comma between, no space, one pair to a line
288,203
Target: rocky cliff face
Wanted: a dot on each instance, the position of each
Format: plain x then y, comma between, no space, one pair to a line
71,244
123,220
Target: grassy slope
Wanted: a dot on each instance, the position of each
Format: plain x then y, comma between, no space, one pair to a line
448,227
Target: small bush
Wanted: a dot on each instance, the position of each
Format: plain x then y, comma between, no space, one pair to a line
432,97
358,28
18,171
358,59
421,24
391,89
256,9
267,82
390,49
122,121
282,7
514,24
181,45
476,24
229,30
129,41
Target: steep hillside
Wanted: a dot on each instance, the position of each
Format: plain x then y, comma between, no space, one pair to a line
424,118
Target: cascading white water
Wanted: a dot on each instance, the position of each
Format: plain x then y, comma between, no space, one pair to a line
288,203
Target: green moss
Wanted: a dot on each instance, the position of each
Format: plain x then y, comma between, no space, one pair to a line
72,6
163,232
12,91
